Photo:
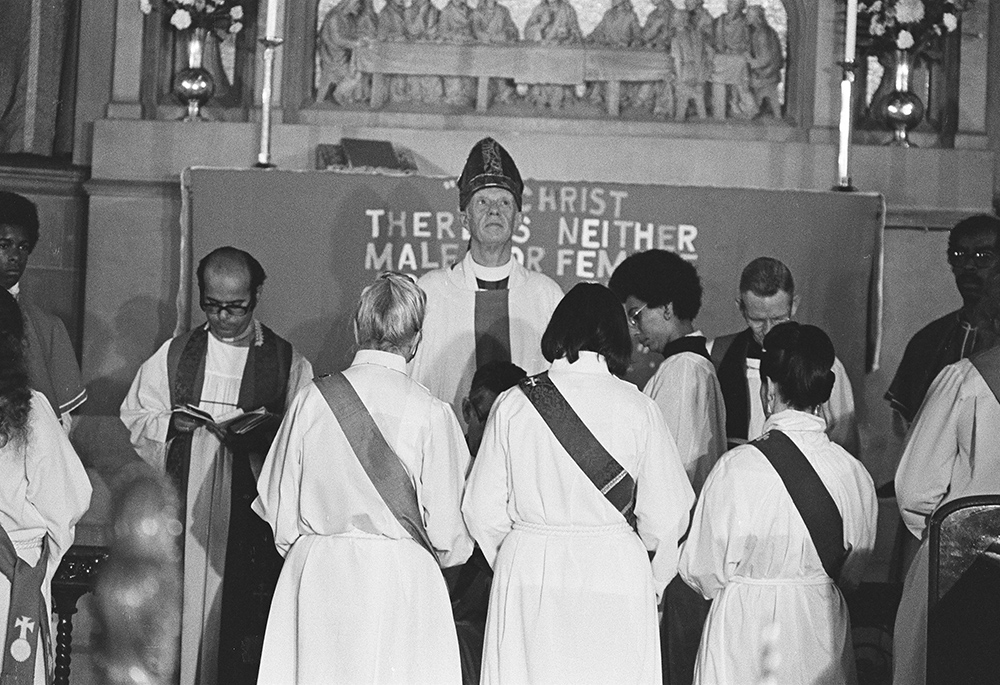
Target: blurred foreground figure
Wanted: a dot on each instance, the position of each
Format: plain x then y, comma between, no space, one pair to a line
576,480
44,491
363,489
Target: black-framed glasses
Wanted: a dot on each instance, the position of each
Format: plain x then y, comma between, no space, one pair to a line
980,258
216,308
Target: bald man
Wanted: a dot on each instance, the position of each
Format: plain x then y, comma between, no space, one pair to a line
229,365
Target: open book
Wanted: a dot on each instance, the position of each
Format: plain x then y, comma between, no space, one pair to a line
237,422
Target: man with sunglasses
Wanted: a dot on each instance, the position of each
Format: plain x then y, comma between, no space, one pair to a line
766,298
973,251
229,365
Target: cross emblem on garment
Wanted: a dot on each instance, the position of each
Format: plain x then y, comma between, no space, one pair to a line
20,648
26,625
532,381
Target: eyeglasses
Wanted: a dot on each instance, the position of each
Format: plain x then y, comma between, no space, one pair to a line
980,258
633,316
216,308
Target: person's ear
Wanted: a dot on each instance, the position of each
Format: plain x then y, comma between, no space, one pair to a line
795,305
668,311
468,412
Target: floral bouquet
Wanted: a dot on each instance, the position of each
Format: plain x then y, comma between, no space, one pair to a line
911,25
221,16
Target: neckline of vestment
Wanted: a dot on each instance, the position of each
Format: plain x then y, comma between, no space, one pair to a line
388,360
463,274
793,420
587,362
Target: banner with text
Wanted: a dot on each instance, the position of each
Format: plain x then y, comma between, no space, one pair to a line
322,236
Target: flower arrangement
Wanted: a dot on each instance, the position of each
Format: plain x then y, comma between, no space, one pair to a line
222,16
911,25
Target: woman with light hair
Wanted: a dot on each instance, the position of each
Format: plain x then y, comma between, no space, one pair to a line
362,487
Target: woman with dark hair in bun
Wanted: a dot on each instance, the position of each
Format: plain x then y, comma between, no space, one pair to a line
784,522
44,491
576,487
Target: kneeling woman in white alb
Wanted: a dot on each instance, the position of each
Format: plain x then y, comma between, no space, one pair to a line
749,548
361,598
574,593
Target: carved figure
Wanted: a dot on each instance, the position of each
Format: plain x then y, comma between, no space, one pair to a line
338,38
492,23
421,25
766,60
552,22
702,20
693,55
657,34
732,38
455,26
392,28
618,28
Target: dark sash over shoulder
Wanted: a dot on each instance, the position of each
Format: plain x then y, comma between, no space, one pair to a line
380,462
812,500
27,614
601,468
987,363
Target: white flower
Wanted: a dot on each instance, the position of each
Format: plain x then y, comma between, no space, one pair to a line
877,28
904,41
950,22
235,27
909,11
876,6
145,6
236,12
185,2
181,19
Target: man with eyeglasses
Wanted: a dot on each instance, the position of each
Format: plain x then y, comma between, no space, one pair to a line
766,298
973,249
229,365
487,306
52,366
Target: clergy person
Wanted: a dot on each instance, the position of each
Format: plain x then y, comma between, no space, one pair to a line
229,365
781,525
362,488
662,296
767,298
576,480
487,306
52,366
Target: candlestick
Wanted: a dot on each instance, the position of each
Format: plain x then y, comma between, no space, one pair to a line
846,97
271,25
264,156
851,37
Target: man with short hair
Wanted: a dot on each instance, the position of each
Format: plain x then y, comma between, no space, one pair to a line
767,297
230,365
487,306
662,296
973,250
52,366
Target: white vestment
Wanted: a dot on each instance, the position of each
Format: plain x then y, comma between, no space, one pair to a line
687,391
44,491
574,593
446,358
953,451
146,412
838,411
358,600
750,551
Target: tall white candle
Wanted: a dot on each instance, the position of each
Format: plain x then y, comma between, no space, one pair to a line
271,26
850,42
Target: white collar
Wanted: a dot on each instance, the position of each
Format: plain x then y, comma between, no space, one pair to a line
795,420
389,360
586,362
15,289
492,273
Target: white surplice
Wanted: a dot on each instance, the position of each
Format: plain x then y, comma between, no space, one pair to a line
446,358
750,552
44,491
953,450
687,391
358,600
574,593
146,412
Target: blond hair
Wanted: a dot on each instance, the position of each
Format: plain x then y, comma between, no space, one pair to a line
390,313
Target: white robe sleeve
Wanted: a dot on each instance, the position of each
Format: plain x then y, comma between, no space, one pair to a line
841,419
58,486
442,480
924,472
146,409
299,376
710,555
487,492
663,501
281,476
860,526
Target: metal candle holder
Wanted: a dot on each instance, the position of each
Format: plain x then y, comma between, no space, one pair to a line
264,156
